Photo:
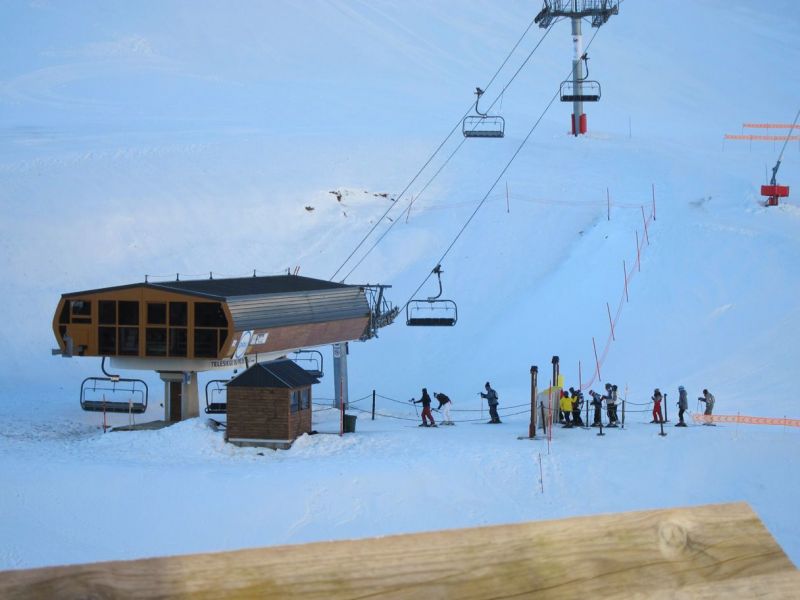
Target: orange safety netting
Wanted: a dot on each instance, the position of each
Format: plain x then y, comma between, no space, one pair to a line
768,125
698,418
763,138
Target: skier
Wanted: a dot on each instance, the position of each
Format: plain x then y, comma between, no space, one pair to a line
657,398
577,405
683,405
445,402
565,404
426,408
708,399
611,404
597,403
491,397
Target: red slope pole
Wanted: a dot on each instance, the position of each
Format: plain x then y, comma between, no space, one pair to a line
625,272
610,322
596,362
654,201
647,237
638,255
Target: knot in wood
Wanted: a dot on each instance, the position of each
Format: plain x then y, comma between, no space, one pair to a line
673,539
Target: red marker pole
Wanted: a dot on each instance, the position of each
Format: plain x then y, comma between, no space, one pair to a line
596,362
610,322
644,220
654,201
625,271
638,255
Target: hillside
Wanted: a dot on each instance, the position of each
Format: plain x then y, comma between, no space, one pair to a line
174,142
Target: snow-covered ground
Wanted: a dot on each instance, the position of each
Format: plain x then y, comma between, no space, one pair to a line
135,144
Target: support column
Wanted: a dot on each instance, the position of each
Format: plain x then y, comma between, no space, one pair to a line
578,118
190,400
340,351
181,396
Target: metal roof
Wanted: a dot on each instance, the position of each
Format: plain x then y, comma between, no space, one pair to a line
223,289
251,286
275,310
282,373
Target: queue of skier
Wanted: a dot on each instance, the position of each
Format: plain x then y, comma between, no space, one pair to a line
570,406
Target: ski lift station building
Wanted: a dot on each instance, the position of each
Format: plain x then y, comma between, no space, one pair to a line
180,328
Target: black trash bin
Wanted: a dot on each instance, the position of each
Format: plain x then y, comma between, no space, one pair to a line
350,423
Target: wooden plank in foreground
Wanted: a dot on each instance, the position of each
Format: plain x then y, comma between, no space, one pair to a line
703,552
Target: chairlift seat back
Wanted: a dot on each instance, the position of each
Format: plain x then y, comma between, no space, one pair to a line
217,408
113,407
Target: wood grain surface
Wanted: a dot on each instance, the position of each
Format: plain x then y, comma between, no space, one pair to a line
702,552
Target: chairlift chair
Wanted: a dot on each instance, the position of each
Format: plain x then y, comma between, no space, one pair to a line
311,361
217,400
481,125
590,91
432,311
95,392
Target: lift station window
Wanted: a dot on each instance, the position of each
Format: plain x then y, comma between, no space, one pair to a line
118,327
210,329
178,333
81,311
156,313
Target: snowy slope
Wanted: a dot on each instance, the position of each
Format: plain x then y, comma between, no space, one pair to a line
173,140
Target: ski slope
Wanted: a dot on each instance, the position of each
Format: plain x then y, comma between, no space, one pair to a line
173,141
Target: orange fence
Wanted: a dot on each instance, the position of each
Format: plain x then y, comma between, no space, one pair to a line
768,125
763,138
698,418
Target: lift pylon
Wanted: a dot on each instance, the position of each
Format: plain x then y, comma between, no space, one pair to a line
773,191
598,12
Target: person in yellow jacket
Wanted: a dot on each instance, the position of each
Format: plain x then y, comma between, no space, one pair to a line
565,405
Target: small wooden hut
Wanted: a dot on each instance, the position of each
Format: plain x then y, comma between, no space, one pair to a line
270,405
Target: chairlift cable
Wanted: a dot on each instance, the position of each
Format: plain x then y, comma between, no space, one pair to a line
789,135
444,164
496,181
439,147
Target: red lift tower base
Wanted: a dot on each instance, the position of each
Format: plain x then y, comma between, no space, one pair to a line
582,124
773,192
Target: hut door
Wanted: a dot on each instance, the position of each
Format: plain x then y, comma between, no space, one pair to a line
175,400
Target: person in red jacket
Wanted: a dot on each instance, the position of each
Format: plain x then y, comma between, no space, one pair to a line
426,408
657,398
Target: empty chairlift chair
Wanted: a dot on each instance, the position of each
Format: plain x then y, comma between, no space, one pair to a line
114,395
481,125
585,91
432,311
216,397
310,360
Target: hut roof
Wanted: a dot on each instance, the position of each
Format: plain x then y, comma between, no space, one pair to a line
282,373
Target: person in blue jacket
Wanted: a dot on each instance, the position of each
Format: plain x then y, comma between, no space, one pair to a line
491,398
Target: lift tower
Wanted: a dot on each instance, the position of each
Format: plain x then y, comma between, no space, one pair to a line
579,89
